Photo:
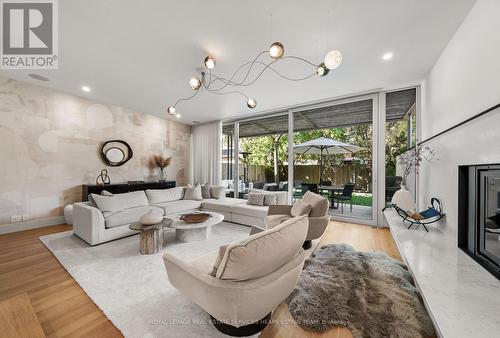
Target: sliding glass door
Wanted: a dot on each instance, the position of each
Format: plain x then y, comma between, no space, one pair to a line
346,150
400,138
334,155
262,154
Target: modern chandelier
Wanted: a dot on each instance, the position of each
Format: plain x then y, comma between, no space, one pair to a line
218,85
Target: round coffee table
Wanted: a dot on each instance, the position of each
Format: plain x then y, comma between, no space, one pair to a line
190,232
151,236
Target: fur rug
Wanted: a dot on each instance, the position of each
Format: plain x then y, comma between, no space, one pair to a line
369,292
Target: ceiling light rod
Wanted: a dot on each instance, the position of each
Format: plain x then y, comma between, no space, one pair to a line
276,51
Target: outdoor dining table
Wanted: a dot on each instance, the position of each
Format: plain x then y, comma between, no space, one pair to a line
332,190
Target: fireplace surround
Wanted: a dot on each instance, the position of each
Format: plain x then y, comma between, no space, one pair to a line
479,214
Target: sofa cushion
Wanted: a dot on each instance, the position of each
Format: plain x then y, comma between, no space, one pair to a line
263,252
224,204
165,195
270,199
130,215
300,208
175,207
217,192
193,193
319,204
205,190
250,210
281,196
255,199
118,202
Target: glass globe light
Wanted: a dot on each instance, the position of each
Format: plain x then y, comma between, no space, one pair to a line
171,110
195,83
209,62
333,59
322,70
276,50
251,103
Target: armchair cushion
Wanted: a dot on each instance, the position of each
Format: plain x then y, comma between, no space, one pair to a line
218,260
259,254
274,220
319,204
300,208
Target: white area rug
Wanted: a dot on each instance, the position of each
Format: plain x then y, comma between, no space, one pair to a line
133,290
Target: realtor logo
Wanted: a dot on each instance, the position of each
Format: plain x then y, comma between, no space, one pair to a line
29,34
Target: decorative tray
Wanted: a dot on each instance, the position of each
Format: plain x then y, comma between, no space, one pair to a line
195,217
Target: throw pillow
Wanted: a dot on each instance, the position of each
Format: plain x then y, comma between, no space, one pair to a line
91,199
270,199
107,204
255,199
193,193
218,192
218,260
205,191
300,208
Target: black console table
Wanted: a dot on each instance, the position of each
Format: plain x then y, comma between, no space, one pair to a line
123,187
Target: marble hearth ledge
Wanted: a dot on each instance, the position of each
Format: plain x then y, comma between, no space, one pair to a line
462,298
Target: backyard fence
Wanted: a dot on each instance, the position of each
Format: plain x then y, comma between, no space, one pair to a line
337,174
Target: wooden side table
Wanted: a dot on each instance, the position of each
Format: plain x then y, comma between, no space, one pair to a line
151,236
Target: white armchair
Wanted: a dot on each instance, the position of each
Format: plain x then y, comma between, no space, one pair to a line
253,278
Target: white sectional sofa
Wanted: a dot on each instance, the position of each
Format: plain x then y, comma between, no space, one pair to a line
104,219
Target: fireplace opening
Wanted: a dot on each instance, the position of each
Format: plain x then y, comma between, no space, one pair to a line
479,214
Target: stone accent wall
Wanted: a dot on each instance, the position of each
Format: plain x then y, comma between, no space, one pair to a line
49,146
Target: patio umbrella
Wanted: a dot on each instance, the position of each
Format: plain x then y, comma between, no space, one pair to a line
322,145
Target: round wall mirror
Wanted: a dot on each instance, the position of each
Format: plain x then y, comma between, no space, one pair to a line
115,155
116,152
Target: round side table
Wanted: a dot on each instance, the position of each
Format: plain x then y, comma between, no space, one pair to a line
151,236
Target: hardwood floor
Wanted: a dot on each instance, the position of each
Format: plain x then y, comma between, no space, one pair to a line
18,318
362,238
29,270
62,307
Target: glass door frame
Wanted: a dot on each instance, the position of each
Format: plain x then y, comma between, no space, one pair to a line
378,146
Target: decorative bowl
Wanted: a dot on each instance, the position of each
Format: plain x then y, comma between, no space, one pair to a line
195,217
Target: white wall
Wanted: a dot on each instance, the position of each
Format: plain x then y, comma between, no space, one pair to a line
464,81
49,147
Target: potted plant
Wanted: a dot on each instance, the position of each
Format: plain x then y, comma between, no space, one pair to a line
410,162
161,162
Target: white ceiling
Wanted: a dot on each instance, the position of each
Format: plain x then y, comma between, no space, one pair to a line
141,54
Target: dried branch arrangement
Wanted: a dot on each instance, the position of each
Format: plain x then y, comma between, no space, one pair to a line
158,161
410,160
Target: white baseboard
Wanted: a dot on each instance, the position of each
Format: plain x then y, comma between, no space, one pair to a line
31,224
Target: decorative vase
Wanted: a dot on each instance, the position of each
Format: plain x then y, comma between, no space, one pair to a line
162,176
403,199
152,217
